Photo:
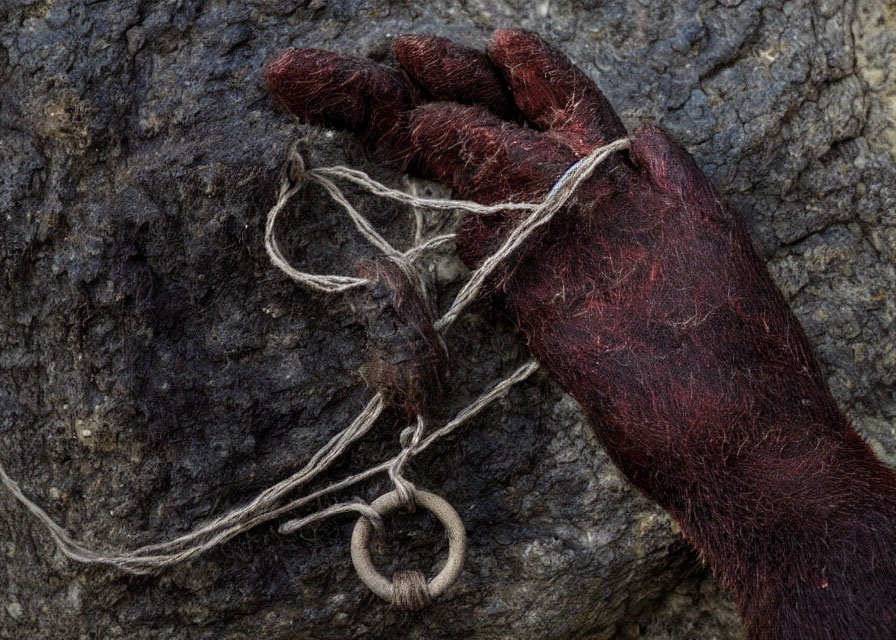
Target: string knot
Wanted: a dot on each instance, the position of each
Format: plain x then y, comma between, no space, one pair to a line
410,440
410,592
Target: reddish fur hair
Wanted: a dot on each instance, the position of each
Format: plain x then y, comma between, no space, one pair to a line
646,301
406,358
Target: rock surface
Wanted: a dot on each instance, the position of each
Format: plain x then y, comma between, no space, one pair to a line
157,370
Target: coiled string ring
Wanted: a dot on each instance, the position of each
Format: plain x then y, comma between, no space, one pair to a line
409,589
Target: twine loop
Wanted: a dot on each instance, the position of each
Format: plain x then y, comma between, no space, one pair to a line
409,590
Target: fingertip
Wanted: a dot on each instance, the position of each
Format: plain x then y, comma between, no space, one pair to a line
657,156
276,74
664,161
295,75
506,41
417,53
406,46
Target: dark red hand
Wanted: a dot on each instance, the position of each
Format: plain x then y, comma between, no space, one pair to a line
646,300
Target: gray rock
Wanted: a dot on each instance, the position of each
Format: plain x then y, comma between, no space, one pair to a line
159,371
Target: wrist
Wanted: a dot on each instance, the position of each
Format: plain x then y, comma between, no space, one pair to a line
801,538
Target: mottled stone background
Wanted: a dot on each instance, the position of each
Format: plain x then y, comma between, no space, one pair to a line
156,369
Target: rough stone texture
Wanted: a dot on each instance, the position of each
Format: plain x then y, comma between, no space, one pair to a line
157,370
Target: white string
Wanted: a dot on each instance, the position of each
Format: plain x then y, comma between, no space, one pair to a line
558,196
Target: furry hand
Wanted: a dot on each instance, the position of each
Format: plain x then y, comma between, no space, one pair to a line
646,300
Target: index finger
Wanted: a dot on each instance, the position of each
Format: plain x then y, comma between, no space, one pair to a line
553,93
